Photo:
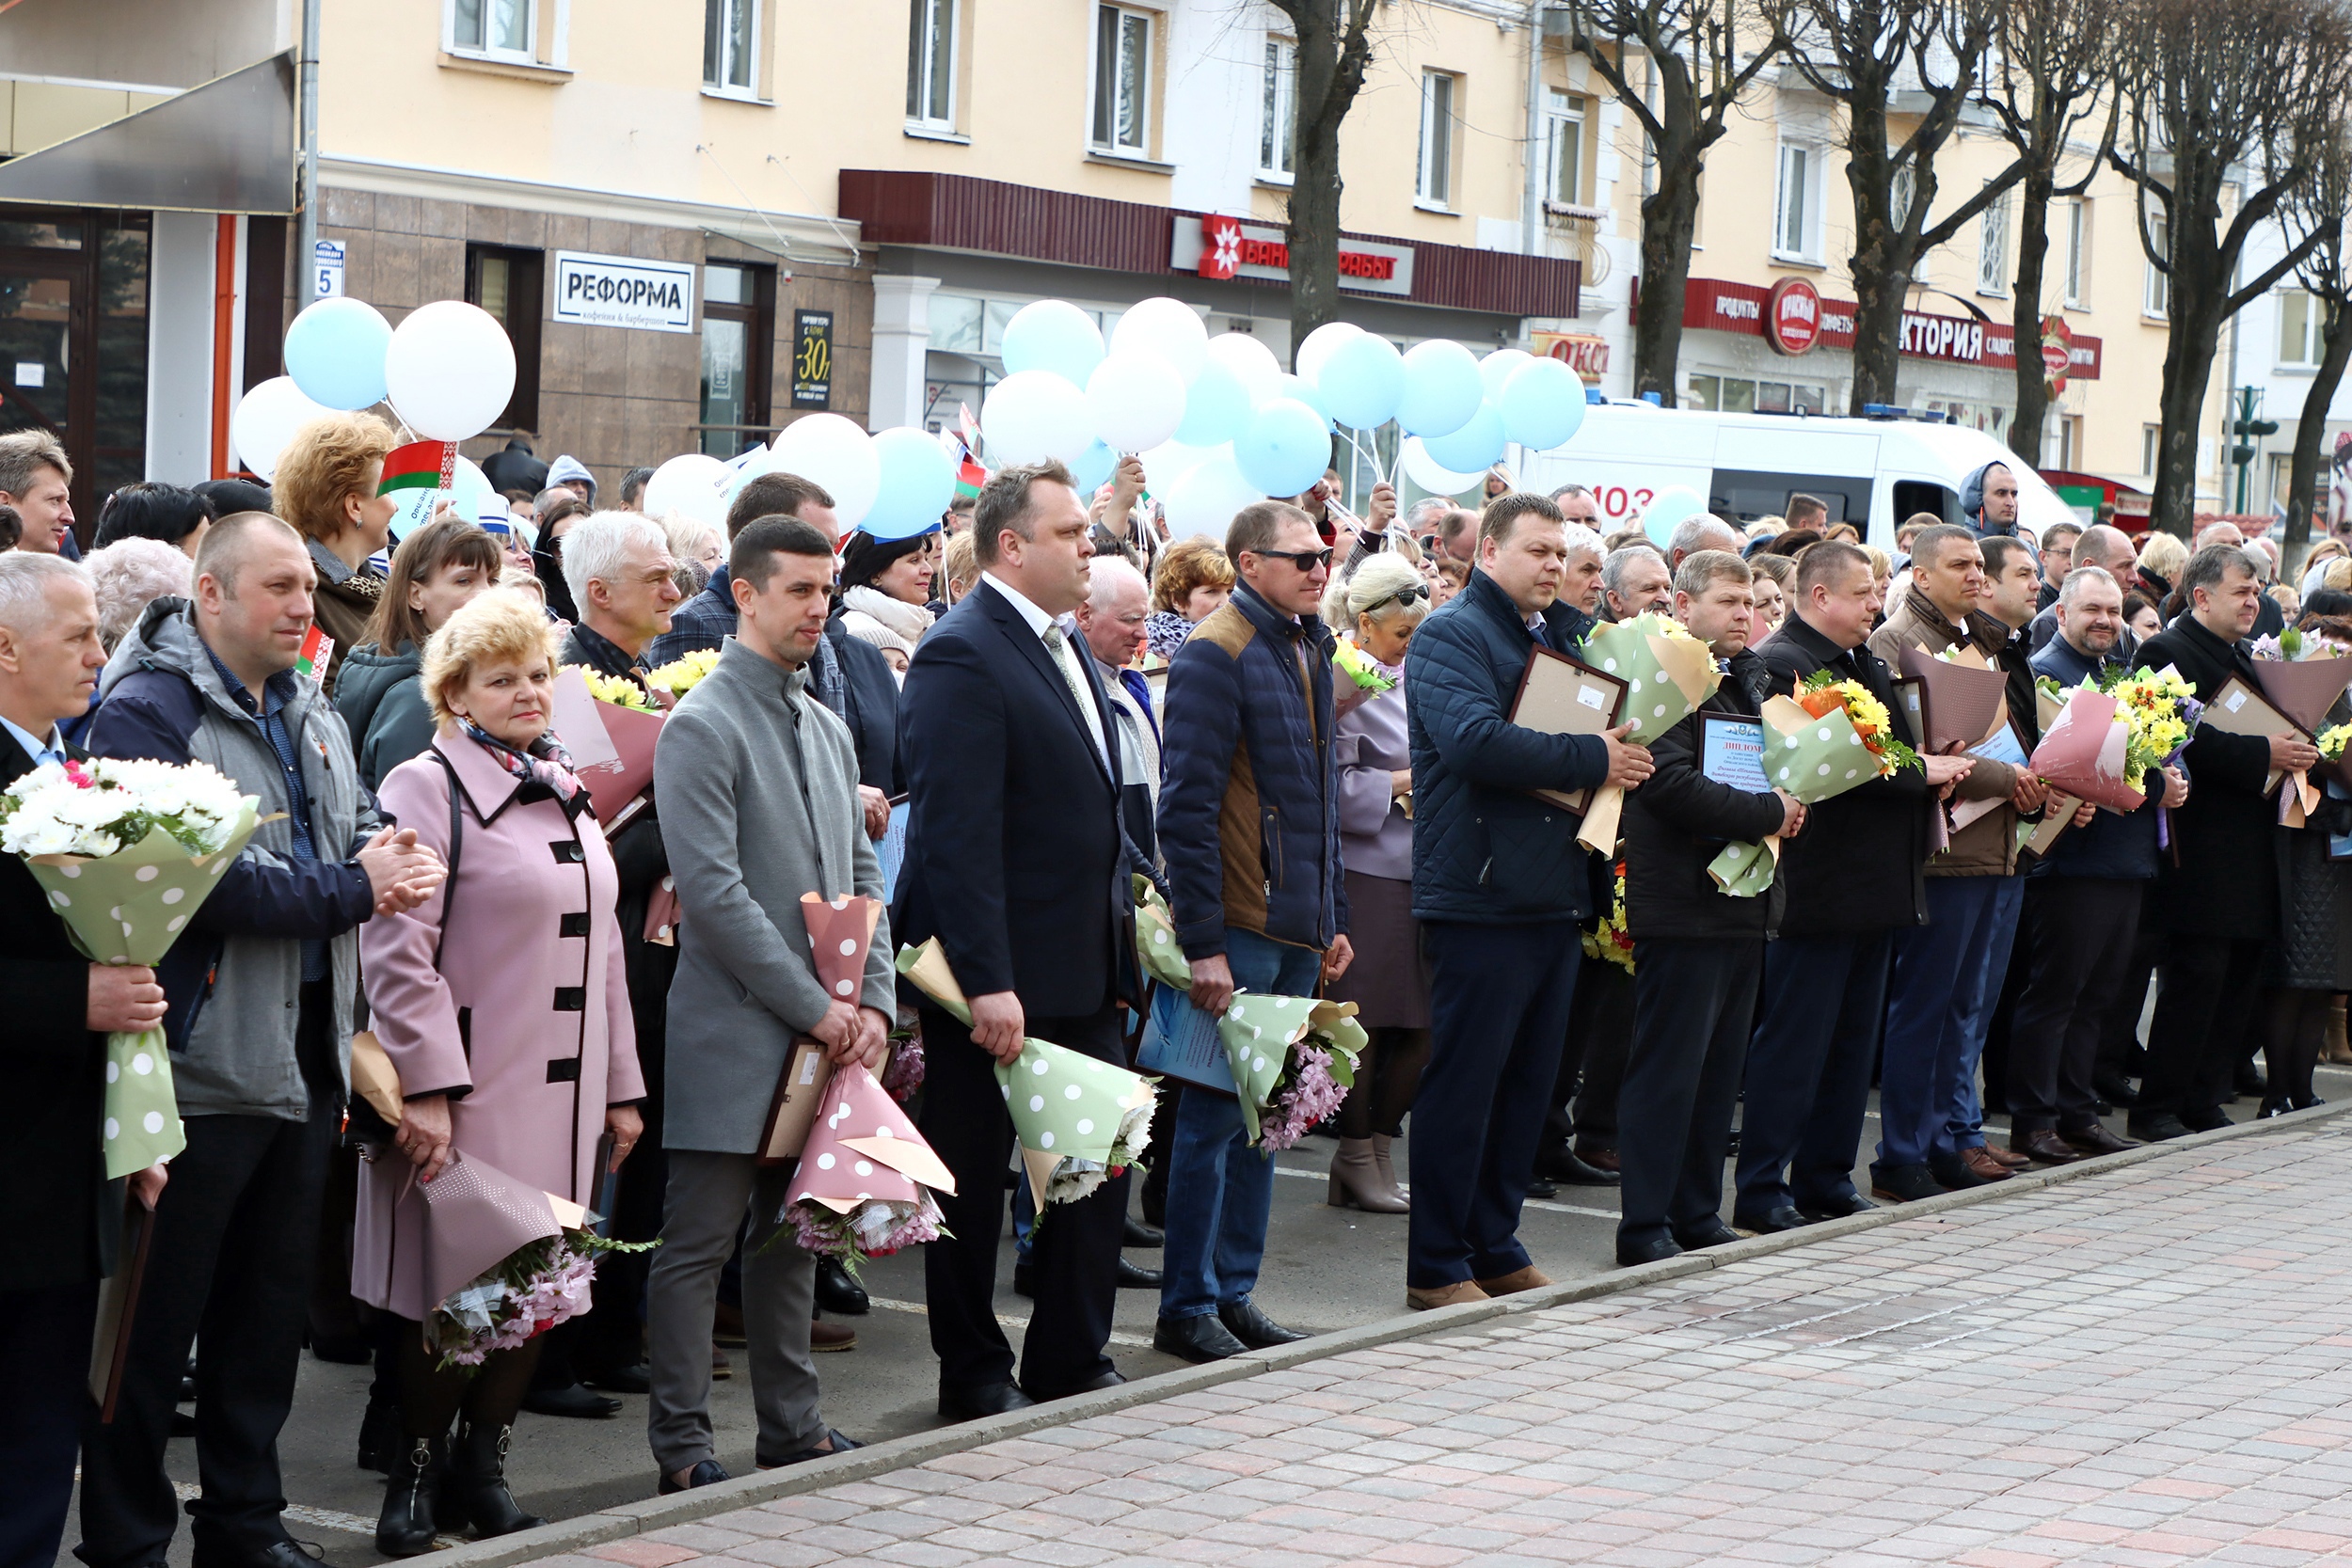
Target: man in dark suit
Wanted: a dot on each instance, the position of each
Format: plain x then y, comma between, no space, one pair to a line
1016,863
2216,900
60,1215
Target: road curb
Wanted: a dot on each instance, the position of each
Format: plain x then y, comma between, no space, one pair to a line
654,1513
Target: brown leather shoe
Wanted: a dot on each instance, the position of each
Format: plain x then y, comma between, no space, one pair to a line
2095,1139
2013,1161
2045,1145
720,1369
1428,1300
1599,1159
1978,1162
824,1336
1511,1284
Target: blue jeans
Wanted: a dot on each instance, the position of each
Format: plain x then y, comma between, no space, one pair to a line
1220,1191
1947,977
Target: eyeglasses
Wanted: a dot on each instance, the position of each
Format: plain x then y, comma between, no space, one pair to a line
1409,596
1306,560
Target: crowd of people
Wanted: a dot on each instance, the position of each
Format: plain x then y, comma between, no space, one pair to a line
1300,733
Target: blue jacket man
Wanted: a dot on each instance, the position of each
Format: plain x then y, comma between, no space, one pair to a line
1250,828
1499,884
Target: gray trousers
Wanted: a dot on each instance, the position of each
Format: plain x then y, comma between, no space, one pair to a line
703,1209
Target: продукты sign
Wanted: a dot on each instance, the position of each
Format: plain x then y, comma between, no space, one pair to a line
624,291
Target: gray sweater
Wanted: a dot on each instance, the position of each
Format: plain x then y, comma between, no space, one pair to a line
757,782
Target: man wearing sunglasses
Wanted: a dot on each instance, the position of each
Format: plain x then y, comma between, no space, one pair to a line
1250,826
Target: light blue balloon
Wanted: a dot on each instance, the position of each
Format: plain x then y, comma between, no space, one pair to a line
1093,470
1291,387
1668,509
1442,389
1363,382
1216,408
1285,450
1542,403
918,482
335,352
1474,447
1053,334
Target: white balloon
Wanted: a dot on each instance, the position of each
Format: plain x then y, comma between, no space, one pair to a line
266,419
692,486
1497,367
1317,346
1205,500
1034,414
1167,327
1170,461
1136,401
449,370
1432,475
837,454
1248,358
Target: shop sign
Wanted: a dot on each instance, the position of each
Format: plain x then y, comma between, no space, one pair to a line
1583,353
812,358
1792,316
2057,353
624,291
1720,305
1217,246
326,270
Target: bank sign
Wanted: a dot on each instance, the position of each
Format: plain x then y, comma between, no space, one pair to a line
624,291
1218,246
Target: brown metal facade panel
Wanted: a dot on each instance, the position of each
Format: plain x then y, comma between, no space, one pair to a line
957,212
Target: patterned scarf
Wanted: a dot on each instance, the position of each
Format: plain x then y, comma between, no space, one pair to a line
1164,632
547,764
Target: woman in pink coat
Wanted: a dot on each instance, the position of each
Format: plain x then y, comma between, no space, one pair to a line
503,1004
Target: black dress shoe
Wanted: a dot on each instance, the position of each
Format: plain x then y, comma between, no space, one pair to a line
1142,1235
1655,1249
972,1402
1025,1280
2114,1088
1537,1187
1717,1234
1847,1202
837,1293
573,1401
2045,1145
2093,1139
1773,1221
2156,1129
2248,1080
709,1473
283,1554
1951,1175
1092,1386
2204,1118
1253,1328
1563,1165
1135,1276
621,1379
1196,1338
840,1445
1908,1183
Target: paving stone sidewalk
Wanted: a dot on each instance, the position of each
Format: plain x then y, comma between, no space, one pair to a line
2152,1366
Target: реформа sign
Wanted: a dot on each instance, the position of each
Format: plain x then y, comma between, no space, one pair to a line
624,291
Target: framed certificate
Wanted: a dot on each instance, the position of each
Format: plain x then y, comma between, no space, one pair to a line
1731,751
2237,708
1911,699
1561,695
2002,745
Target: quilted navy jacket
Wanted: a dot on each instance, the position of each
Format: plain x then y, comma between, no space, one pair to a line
1485,851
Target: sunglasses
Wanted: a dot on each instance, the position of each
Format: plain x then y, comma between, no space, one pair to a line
1409,596
1306,560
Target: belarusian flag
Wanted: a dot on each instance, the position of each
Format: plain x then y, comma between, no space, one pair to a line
970,476
419,466
317,650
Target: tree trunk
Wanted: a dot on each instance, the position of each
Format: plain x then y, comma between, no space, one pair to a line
2033,383
2188,357
1314,197
1879,271
2311,435
1669,219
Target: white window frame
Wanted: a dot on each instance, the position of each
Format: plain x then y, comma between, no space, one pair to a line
2156,289
527,55
2315,328
1993,248
1434,167
2077,250
2151,447
1278,111
1903,192
929,75
722,86
1109,144
1562,113
1808,197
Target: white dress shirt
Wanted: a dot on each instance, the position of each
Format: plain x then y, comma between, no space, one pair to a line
1061,648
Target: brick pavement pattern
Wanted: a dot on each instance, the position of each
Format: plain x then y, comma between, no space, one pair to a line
2144,1368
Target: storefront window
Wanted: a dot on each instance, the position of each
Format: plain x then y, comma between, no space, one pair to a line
1706,392
956,324
504,280
74,294
120,445
738,345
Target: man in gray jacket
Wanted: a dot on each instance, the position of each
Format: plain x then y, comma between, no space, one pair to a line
759,805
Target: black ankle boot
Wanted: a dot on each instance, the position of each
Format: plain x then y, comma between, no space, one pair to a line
406,1527
475,1493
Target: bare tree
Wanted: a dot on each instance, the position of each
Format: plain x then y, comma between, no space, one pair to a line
1698,57
2319,205
1334,48
2238,97
1878,58
2045,88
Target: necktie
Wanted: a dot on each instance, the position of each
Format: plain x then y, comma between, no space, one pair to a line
1058,645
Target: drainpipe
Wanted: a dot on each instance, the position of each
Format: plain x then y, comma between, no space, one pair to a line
306,232
1531,196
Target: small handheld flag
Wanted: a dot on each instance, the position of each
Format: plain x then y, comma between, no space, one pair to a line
420,466
318,651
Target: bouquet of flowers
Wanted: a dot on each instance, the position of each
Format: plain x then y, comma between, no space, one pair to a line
683,674
1608,938
611,727
865,1178
1821,692
619,690
1361,668
1293,1060
2110,734
2159,710
1156,947
127,851
2332,747
1667,674
904,1072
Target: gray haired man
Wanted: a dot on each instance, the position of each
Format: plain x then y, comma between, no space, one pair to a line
1634,581
617,566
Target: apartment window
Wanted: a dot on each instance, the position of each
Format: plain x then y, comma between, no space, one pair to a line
2155,297
505,282
1438,92
2077,250
1123,79
2302,323
1796,213
1280,114
932,64
730,45
2070,434
2151,447
1903,191
739,350
1993,248
502,27
1564,149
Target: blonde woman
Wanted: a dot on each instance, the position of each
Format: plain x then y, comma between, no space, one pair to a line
325,485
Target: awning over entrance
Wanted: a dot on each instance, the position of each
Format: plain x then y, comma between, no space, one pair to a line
226,147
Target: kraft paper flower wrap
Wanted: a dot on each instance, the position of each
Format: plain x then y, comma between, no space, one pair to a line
1667,674
1078,1120
1156,947
865,1178
2083,753
1293,1060
127,853
2304,689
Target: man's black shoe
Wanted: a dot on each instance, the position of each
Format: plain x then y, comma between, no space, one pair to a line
1537,1187
1656,1249
1848,1202
2114,1088
837,1293
1025,1280
2204,1118
1142,1235
1135,1276
1716,1234
1910,1183
278,1554
1196,1338
621,1379
979,1400
1253,1328
1094,1386
1771,1222
2156,1129
571,1399
709,1473
1562,1166
840,1445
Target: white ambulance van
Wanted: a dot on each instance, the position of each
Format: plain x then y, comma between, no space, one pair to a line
1874,473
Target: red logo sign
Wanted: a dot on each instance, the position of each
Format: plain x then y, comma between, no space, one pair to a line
1225,250
2058,351
1792,316
1220,246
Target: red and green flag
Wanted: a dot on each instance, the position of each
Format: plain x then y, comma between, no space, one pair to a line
420,466
970,476
318,649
